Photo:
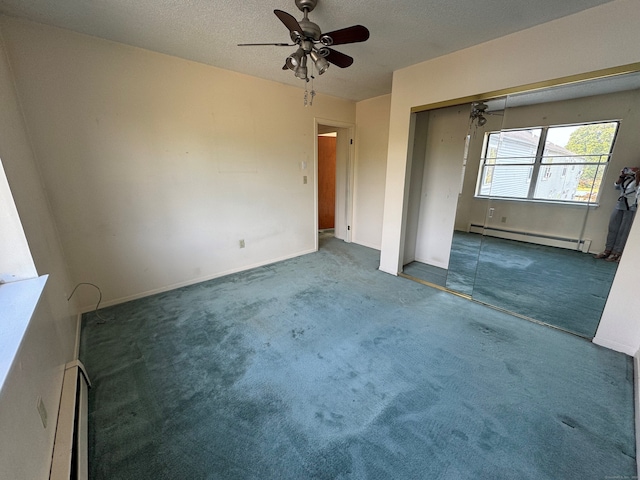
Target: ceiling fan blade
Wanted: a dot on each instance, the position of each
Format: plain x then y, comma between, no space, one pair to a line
354,34
338,59
289,21
267,44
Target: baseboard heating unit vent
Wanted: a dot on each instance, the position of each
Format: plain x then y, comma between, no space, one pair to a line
70,448
529,237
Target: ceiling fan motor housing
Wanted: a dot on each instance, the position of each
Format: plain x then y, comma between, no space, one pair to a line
309,29
307,5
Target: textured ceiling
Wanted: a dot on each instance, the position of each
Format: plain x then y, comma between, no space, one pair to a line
403,32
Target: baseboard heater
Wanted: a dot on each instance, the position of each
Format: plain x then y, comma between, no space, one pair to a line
70,448
537,238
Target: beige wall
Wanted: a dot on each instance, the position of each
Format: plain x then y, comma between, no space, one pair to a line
36,372
156,167
372,135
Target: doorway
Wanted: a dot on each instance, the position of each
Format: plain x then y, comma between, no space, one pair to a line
327,182
334,180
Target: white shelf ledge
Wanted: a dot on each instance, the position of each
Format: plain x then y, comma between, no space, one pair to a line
18,301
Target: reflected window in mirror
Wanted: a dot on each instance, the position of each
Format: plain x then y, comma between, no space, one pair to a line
557,163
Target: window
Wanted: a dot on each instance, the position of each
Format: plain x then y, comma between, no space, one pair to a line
532,164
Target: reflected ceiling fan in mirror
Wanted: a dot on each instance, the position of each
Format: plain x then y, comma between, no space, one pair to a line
478,112
314,44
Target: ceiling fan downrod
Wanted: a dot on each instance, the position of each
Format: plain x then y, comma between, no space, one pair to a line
306,5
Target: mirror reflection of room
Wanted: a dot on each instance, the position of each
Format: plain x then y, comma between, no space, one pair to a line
532,206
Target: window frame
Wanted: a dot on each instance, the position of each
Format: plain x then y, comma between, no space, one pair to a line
539,163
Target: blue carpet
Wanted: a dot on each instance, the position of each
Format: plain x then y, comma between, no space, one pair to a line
560,287
429,273
322,367
463,262
564,288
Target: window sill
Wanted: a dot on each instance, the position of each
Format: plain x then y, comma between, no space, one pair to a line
532,200
18,301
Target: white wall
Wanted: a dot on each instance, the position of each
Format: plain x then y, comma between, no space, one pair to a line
156,166
343,183
619,328
15,257
441,184
372,134
594,39
471,209
25,445
415,175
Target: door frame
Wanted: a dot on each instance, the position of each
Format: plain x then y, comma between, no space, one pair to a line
348,172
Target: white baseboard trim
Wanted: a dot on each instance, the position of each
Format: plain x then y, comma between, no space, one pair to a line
367,244
395,274
117,301
618,347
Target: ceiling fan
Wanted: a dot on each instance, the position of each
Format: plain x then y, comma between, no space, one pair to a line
313,43
478,112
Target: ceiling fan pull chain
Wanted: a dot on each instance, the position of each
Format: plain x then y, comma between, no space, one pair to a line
313,92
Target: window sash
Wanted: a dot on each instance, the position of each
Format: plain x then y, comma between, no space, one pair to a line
545,176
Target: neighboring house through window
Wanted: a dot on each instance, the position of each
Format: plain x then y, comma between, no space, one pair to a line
564,163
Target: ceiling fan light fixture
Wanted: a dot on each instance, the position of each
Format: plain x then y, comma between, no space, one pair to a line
295,59
301,73
301,70
310,41
320,62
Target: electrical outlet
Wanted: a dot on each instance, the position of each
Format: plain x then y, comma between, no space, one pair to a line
503,219
304,179
42,411
242,243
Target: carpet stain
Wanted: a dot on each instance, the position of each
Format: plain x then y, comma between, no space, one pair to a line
513,370
495,333
296,333
569,421
460,434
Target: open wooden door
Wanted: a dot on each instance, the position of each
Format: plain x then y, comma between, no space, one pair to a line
326,182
